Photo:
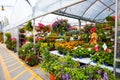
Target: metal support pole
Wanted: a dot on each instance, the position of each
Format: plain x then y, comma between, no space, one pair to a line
79,28
34,31
33,15
18,40
79,23
115,41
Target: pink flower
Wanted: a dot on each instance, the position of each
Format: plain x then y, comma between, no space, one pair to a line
96,48
40,25
12,39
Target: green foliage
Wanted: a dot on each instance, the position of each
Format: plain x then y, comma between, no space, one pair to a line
29,26
22,30
103,57
85,37
99,25
10,42
109,18
80,51
30,39
8,35
101,35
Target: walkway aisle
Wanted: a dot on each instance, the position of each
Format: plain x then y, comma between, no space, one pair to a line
14,68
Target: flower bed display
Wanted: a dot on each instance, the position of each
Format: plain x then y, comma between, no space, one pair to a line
26,53
67,46
64,68
10,42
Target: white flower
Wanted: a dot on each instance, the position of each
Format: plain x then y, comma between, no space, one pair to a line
89,49
82,48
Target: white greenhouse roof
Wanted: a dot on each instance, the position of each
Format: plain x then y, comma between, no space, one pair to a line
20,11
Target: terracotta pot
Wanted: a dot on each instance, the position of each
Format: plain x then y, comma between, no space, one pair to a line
52,77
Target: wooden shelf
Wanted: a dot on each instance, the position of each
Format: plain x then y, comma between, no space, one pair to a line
106,28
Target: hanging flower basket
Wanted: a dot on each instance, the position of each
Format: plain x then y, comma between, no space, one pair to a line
61,25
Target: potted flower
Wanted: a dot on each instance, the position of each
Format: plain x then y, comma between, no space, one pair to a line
40,27
13,44
26,52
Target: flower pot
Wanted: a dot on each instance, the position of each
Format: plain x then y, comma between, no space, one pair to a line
62,34
74,56
52,77
80,57
106,63
60,52
94,61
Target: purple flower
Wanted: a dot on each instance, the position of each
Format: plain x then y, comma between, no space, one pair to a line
67,76
105,76
63,77
99,71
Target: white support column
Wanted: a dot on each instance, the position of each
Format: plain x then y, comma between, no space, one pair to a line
79,25
18,44
115,42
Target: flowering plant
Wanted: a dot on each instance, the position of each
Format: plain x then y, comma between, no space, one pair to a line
13,43
74,28
47,28
22,30
26,53
61,25
39,27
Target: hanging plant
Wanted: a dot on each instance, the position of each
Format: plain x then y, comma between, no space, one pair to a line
61,25
109,18
22,30
29,26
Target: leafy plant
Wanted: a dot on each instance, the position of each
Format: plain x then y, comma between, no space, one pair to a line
22,30
61,25
80,51
29,26
30,39
26,52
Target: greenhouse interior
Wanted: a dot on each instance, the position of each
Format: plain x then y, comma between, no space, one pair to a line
60,40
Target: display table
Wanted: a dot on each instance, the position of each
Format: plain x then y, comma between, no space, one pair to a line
86,61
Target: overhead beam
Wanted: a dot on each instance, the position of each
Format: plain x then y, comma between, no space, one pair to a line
110,14
89,7
103,11
106,5
72,16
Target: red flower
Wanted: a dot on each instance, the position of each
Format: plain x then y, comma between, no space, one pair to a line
107,50
96,48
93,29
